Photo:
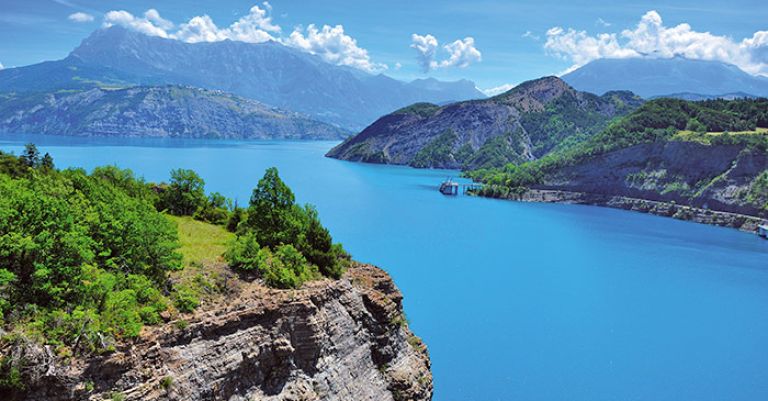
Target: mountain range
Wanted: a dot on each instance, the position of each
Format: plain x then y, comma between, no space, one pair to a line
159,111
523,124
268,72
667,77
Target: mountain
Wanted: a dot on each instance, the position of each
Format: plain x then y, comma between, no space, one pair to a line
522,124
654,77
711,155
268,72
166,111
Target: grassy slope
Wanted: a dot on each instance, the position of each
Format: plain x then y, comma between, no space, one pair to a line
201,243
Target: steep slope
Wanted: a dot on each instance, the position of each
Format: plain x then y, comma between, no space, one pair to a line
522,124
654,77
710,155
166,111
268,72
332,340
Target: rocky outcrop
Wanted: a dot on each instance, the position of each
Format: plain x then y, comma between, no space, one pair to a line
724,185
668,209
331,340
711,177
156,111
522,124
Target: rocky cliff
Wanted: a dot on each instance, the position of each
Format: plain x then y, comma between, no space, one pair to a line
718,177
522,124
156,111
330,340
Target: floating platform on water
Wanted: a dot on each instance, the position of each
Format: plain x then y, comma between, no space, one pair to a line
763,231
450,187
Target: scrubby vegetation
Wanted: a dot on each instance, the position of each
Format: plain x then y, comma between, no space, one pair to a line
82,261
283,241
86,260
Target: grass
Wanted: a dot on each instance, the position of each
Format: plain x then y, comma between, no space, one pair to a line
201,243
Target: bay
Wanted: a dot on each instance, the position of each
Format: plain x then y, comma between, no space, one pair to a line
516,301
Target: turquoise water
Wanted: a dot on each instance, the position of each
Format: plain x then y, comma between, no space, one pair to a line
516,301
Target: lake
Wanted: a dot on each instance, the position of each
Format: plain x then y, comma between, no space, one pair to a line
515,301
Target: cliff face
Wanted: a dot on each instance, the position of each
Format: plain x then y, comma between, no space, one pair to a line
523,124
155,111
717,177
331,340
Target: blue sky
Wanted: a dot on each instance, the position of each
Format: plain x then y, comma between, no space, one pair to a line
490,42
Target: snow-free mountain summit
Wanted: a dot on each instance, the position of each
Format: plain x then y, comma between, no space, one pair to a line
268,72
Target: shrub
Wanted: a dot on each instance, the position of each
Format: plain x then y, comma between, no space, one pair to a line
287,268
185,299
245,253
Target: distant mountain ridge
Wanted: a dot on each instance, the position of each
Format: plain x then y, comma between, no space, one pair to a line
164,111
268,72
656,77
522,124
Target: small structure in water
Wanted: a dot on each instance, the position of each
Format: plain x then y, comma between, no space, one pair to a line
763,231
449,187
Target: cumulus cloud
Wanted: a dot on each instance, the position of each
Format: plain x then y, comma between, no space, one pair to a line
334,46
151,24
1,66
497,90
651,38
328,42
256,27
461,53
80,17
426,47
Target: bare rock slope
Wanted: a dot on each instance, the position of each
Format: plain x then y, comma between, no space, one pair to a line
331,340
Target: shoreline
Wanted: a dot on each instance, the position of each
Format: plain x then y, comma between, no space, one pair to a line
742,222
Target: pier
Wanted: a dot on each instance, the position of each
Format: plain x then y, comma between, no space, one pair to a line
450,187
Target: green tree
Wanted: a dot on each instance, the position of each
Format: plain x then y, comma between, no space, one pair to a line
185,193
31,156
318,246
46,163
272,214
215,210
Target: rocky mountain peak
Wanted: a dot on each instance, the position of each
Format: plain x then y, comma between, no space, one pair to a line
533,95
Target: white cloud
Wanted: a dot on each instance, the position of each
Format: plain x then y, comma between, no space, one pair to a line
531,35
333,46
151,24
398,66
256,27
80,17
2,66
426,47
603,23
651,38
329,42
461,53
497,90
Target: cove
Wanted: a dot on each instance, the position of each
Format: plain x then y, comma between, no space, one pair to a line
515,301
